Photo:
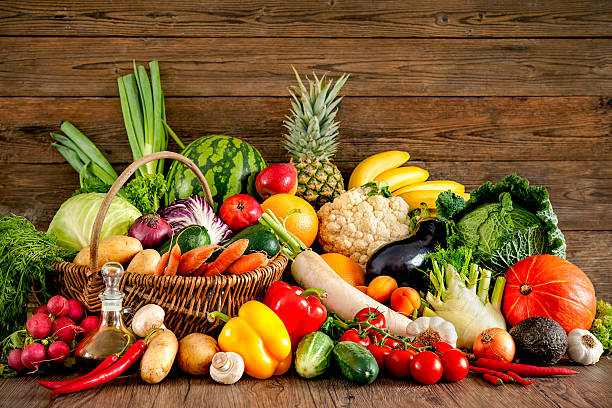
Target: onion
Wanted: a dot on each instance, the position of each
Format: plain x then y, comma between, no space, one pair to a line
151,230
496,344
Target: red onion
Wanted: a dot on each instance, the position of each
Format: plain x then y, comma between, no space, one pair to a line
151,230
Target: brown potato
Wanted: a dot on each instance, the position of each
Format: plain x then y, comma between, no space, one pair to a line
195,354
159,356
144,262
118,248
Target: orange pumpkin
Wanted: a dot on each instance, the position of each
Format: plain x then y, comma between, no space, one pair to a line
546,285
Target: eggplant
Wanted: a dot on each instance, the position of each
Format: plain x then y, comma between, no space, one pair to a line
404,260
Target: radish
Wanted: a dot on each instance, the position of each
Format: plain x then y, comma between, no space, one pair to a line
59,351
14,360
58,306
310,271
42,309
39,325
33,355
75,310
89,324
65,329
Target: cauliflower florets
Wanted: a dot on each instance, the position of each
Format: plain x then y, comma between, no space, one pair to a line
355,224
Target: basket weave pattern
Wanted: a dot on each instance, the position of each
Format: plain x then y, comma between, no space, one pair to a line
186,300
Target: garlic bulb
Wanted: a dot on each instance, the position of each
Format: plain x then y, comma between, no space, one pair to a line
226,368
583,347
147,318
428,330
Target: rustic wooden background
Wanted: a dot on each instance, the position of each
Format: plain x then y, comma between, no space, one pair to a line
473,90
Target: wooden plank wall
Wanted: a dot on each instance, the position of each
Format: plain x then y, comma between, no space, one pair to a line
473,90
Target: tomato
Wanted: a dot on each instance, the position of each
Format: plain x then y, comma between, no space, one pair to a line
426,367
353,335
373,316
442,347
389,342
398,362
380,353
240,211
455,365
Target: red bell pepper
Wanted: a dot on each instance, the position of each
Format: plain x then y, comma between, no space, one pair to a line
300,310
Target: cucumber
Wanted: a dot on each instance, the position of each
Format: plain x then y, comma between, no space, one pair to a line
190,237
355,362
261,238
313,354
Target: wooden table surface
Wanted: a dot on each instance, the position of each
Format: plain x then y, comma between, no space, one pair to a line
473,90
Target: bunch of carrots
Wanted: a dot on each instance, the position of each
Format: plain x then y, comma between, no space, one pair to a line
211,260
493,371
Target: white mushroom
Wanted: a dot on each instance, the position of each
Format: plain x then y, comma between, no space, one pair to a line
226,368
147,318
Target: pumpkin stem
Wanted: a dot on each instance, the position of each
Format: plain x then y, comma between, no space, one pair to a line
525,289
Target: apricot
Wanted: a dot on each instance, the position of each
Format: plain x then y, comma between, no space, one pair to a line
381,287
405,300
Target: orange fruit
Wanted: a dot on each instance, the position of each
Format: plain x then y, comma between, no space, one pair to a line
346,268
303,224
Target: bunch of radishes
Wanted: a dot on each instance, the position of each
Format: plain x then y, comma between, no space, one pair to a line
54,325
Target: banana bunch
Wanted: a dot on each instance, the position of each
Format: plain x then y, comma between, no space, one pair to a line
408,182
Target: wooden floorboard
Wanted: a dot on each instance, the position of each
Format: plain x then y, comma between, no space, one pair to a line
60,66
430,128
309,18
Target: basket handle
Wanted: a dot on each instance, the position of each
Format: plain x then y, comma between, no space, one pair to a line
123,177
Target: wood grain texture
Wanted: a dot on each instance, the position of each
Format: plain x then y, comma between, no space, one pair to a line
59,66
309,18
580,191
431,129
589,388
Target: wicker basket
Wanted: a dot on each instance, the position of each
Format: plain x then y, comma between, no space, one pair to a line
186,300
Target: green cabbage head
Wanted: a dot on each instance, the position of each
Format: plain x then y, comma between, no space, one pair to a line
74,220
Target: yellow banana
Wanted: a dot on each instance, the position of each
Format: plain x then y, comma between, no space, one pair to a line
441,185
402,176
429,197
372,166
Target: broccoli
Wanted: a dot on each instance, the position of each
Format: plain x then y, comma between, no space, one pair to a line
602,325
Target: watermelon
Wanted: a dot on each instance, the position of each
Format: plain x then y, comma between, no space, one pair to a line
229,165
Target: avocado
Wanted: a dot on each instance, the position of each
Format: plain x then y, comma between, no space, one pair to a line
539,340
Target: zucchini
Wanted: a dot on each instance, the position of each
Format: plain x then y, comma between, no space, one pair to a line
313,354
190,237
355,362
261,238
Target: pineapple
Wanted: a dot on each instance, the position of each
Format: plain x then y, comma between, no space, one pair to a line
311,138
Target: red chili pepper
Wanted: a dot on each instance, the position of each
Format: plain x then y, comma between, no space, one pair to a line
504,377
523,369
110,373
107,362
300,310
519,379
493,379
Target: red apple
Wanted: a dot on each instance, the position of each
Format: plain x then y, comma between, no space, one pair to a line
240,211
276,179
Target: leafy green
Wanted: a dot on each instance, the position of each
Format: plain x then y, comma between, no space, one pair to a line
145,192
378,188
503,223
25,259
92,185
602,325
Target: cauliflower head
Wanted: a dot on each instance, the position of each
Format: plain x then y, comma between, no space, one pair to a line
361,220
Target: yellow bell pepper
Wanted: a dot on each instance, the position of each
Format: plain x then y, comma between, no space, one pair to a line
259,336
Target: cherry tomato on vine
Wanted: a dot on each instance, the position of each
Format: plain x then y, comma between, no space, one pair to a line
455,365
389,342
353,335
398,362
380,353
442,347
372,316
426,367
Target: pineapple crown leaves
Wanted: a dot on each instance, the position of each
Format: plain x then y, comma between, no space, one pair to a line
312,130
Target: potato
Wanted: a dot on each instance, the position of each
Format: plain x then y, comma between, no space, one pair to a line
195,354
159,356
117,248
144,262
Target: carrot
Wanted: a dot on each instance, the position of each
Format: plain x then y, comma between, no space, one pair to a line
493,379
173,262
161,265
247,263
523,369
519,379
504,377
200,271
227,257
192,260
